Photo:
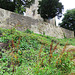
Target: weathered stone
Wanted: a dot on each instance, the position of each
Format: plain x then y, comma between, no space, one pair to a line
33,13
10,19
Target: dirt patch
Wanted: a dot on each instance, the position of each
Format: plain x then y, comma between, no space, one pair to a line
70,48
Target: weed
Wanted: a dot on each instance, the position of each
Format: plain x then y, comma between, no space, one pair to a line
34,54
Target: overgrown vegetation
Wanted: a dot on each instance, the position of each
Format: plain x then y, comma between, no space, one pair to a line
68,21
48,9
18,6
27,53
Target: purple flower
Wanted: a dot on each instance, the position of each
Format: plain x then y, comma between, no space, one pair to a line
28,68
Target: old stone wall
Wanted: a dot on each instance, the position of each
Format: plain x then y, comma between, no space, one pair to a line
51,30
33,13
9,19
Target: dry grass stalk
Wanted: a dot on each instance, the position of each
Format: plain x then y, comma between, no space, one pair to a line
40,54
12,53
71,49
40,51
55,47
51,45
18,42
13,43
50,54
64,48
62,53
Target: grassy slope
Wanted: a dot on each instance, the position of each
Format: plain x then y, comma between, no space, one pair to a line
33,36
31,44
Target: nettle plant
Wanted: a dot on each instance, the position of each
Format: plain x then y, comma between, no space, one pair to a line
53,62
14,56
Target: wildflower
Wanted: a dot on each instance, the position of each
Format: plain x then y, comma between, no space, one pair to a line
74,60
15,56
28,68
63,64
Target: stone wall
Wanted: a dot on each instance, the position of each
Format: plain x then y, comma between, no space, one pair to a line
51,30
9,19
33,13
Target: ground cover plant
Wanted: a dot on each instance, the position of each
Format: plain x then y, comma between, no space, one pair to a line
27,53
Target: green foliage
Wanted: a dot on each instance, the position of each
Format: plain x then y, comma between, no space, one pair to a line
68,21
0,32
16,5
64,35
53,68
66,64
28,31
50,8
7,4
43,33
4,59
29,58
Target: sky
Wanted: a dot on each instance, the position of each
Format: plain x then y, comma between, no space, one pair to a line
68,4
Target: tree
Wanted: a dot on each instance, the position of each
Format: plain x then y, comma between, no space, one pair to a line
15,5
68,21
50,8
21,4
7,4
